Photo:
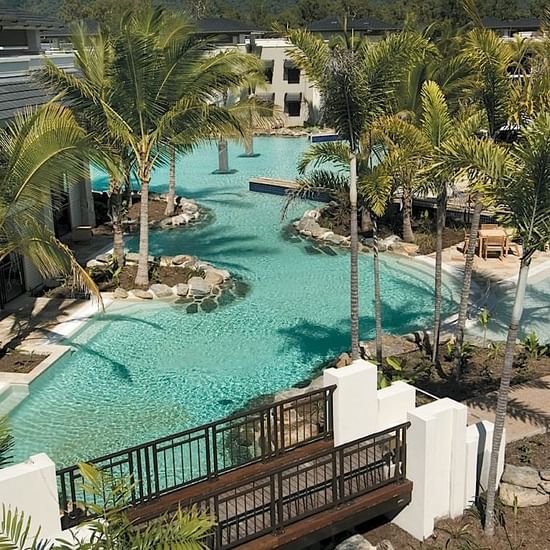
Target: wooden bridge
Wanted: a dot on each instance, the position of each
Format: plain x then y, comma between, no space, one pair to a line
271,477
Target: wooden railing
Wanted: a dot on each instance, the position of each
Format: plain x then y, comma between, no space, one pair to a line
175,461
279,497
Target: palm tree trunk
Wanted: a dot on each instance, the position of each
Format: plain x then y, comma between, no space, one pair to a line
171,198
118,242
407,230
142,275
502,397
377,291
466,284
438,283
354,253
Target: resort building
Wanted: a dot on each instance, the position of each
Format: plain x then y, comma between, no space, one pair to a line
21,54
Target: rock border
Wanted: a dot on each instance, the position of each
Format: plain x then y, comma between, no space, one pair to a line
524,486
308,226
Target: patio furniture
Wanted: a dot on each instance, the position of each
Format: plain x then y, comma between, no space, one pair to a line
494,243
498,234
511,233
489,226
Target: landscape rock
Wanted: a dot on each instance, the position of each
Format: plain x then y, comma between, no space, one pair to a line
180,219
545,486
199,287
165,261
545,475
182,289
161,290
523,476
120,294
356,542
318,231
143,294
343,360
189,207
385,545
335,239
181,259
213,277
308,225
522,497
313,214
409,249
91,264
132,258
104,258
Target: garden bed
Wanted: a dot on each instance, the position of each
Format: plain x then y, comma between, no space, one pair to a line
480,374
20,362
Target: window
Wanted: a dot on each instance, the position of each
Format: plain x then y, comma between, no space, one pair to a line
268,70
293,104
291,73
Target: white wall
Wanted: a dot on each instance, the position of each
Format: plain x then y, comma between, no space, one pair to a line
447,461
31,487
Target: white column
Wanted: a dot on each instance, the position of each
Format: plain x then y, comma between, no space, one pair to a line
31,487
355,407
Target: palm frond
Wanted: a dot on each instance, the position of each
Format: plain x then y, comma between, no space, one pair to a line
334,152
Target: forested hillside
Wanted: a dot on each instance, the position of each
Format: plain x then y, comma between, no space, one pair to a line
288,12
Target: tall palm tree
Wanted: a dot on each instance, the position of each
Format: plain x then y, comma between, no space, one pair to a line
36,149
160,87
524,192
357,81
93,57
490,58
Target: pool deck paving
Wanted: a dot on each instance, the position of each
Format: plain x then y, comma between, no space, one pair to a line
528,409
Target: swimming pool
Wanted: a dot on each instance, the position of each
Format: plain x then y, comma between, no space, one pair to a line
145,370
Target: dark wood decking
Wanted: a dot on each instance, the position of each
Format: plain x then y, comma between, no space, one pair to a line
288,500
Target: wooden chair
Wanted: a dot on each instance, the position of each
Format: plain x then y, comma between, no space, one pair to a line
489,226
494,244
512,245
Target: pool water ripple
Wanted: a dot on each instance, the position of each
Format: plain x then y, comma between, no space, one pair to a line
141,371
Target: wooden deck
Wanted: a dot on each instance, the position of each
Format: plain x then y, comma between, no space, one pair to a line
287,501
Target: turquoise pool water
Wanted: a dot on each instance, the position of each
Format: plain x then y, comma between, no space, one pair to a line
140,371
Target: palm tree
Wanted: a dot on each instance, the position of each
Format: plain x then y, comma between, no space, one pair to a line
357,82
490,58
160,87
524,191
36,149
93,57
6,442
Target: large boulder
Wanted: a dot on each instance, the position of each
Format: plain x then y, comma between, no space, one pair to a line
335,239
181,289
393,345
132,258
545,475
319,232
344,359
307,226
198,286
182,258
522,497
180,219
213,277
161,290
142,294
189,207
523,476
313,214
120,294
356,542
95,264
104,258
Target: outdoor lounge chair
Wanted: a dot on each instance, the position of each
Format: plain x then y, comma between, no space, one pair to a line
494,244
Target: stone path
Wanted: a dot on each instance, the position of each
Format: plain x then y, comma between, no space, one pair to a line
528,409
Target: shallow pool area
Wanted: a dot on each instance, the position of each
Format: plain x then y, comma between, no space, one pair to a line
143,370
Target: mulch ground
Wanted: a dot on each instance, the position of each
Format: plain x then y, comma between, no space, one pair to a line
20,362
156,211
480,374
166,275
527,528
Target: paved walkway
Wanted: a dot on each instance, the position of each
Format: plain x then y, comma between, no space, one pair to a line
528,409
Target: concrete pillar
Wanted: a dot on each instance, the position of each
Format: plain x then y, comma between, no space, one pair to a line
394,403
81,201
31,487
223,158
355,400
485,430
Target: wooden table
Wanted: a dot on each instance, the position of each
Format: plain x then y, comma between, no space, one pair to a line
485,233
